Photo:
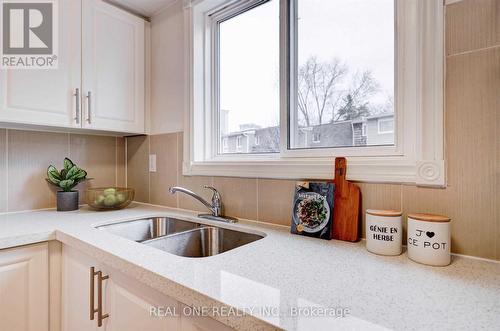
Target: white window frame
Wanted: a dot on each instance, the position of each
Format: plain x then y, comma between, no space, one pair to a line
257,140
380,121
418,154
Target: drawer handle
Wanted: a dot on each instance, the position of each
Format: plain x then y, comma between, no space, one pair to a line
93,273
100,315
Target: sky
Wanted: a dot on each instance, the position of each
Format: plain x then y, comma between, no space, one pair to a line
358,32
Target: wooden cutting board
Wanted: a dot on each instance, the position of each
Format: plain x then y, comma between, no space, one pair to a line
346,205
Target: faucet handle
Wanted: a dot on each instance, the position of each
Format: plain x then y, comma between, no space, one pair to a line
214,190
216,201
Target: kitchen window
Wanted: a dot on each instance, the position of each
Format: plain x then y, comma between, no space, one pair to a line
311,79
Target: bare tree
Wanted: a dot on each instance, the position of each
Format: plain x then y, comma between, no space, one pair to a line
322,92
317,83
355,102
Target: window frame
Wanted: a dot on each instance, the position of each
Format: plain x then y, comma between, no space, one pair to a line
416,157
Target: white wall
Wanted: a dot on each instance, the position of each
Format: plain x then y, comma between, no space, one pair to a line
167,70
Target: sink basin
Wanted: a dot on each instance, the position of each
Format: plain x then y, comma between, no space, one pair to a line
202,242
148,228
179,237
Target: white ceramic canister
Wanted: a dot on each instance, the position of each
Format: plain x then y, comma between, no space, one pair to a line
429,239
384,232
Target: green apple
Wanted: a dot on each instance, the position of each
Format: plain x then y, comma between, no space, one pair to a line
120,197
109,191
110,200
99,200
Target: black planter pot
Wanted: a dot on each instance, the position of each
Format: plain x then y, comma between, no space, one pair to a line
67,201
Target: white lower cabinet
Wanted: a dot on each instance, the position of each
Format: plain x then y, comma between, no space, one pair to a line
24,288
201,323
127,302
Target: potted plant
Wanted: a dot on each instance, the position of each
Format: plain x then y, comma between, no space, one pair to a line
66,179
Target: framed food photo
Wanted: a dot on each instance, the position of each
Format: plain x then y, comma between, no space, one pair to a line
312,213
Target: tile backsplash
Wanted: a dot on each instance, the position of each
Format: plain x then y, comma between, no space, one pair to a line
25,156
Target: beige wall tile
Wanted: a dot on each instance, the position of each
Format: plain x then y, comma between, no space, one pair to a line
497,198
138,166
97,155
121,162
193,183
275,200
472,147
165,148
239,196
378,196
471,25
3,170
29,155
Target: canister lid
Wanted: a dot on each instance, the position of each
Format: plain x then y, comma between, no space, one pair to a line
429,217
387,213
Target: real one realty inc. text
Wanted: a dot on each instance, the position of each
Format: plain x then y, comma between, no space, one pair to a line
225,311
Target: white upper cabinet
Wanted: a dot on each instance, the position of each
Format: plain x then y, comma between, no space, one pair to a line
47,97
100,80
113,68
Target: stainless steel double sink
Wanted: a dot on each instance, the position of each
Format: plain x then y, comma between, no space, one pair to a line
179,237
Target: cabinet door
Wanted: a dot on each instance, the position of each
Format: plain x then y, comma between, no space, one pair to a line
76,291
201,323
47,97
24,288
113,68
131,306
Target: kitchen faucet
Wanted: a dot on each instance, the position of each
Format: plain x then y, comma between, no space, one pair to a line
215,207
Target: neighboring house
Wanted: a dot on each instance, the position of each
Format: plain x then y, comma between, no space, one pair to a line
337,134
373,130
380,129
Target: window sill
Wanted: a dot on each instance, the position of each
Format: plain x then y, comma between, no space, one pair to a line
367,169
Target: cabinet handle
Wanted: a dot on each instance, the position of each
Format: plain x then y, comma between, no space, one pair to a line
93,273
89,107
100,315
77,103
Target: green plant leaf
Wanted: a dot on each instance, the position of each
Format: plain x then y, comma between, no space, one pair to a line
63,173
81,174
52,172
53,175
68,164
72,172
53,180
67,184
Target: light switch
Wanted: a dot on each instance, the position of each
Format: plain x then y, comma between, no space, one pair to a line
152,162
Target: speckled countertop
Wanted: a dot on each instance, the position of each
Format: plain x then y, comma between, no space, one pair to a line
282,272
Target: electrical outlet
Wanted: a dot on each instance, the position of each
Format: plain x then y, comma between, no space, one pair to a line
152,162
